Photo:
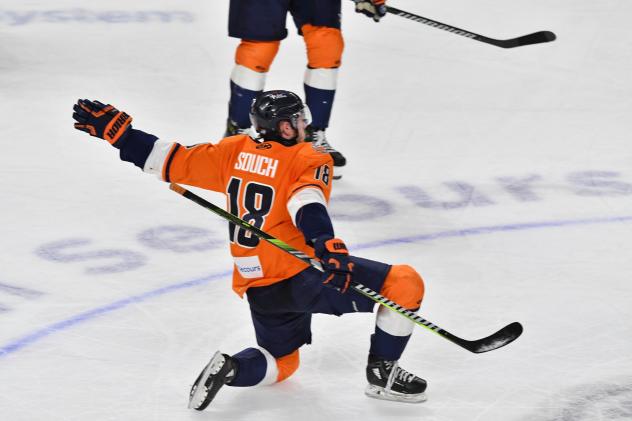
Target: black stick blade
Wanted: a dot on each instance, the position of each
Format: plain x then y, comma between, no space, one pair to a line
504,336
534,38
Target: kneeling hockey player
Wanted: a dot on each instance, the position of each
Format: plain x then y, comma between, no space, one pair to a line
282,185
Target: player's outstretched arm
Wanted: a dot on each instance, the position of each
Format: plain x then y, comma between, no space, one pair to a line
108,123
199,165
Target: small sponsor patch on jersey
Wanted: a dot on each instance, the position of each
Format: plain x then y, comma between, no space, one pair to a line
249,267
264,145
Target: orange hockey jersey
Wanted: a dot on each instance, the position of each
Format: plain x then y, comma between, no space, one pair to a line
265,184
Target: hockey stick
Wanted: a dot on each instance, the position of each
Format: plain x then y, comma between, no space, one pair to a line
534,38
496,340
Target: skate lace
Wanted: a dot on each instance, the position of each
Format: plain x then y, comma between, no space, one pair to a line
397,373
320,140
404,375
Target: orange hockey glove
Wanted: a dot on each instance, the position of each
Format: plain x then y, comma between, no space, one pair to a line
334,257
375,9
103,121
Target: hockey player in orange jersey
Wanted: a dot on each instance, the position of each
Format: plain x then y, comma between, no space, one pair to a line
281,185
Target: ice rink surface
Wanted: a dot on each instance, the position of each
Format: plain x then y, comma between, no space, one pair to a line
503,176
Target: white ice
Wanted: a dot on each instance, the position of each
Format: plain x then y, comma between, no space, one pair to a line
503,176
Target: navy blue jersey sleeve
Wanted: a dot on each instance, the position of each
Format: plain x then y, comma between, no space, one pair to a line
313,221
136,147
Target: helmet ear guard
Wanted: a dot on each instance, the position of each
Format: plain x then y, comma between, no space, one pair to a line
270,108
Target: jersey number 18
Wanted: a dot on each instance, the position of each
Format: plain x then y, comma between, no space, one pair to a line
256,204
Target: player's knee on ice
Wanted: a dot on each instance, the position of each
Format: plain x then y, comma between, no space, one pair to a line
257,367
287,365
279,368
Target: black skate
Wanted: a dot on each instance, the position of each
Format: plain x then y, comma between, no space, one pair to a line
233,129
390,382
318,138
219,371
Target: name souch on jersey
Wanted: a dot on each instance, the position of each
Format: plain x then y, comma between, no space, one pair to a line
265,184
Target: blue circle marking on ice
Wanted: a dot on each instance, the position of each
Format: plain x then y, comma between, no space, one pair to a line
37,335
468,232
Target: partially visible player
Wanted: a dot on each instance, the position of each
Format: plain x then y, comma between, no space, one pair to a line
260,24
281,185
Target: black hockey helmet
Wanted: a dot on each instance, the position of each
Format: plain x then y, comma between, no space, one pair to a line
272,107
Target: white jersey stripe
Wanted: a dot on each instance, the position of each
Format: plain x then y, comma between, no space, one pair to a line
156,160
305,197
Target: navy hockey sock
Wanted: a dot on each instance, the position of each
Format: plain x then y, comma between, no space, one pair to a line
387,347
251,367
320,102
239,105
